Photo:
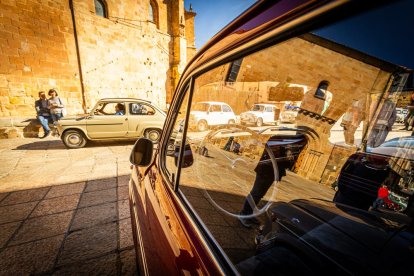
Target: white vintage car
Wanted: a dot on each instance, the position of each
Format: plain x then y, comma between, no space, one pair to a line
260,114
205,114
113,118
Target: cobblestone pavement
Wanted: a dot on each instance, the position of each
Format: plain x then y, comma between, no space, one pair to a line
65,211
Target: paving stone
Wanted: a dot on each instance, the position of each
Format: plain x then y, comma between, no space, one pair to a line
68,189
88,243
128,262
97,197
102,266
123,209
199,202
43,227
227,237
56,205
3,195
16,212
90,216
124,168
100,184
125,234
6,231
211,217
30,258
123,180
25,196
123,192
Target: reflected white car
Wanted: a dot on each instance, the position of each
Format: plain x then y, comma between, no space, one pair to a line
260,114
205,114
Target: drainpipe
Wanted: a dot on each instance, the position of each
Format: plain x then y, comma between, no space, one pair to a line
72,11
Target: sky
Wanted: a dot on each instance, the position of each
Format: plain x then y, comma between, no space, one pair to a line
386,32
213,15
381,37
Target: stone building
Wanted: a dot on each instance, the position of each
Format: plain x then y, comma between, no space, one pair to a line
296,70
91,49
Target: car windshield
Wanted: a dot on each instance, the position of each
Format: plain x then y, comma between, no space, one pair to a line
201,107
257,107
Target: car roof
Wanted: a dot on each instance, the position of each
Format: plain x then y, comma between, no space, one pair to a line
123,100
265,104
214,103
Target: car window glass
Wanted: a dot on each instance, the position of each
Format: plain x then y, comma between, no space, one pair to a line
317,167
226,108
172,148
215,108
140,109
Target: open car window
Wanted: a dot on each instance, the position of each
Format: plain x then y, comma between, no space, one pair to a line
110,108
311,178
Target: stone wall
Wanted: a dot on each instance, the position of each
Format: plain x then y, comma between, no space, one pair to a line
292,71
189,34
404,99
37,53
303,62
124,55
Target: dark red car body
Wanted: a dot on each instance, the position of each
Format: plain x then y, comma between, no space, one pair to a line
169,239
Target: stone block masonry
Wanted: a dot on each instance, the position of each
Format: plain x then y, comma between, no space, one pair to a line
123,55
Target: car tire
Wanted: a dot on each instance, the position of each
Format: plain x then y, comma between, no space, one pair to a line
153,134
231,122
202,125
259,122
74,139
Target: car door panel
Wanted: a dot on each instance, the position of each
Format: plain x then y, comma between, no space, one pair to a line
163,224
107,126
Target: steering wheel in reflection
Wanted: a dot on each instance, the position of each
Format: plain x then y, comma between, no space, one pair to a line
267,156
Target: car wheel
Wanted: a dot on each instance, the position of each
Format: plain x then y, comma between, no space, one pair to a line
74,139
259,122
153,134
202,125
231,122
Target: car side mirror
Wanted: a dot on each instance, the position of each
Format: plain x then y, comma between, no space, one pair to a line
188,158
141,154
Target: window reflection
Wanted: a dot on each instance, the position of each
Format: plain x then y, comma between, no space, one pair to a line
322,138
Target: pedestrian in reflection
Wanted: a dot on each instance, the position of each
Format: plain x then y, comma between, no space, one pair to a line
43,113
264,179
382,197
383,125
228,144
409,119
265,175
351,121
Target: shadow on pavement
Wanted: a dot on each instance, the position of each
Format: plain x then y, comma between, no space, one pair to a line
58,144
81,228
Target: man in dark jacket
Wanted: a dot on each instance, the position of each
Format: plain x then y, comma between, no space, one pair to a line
43,113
